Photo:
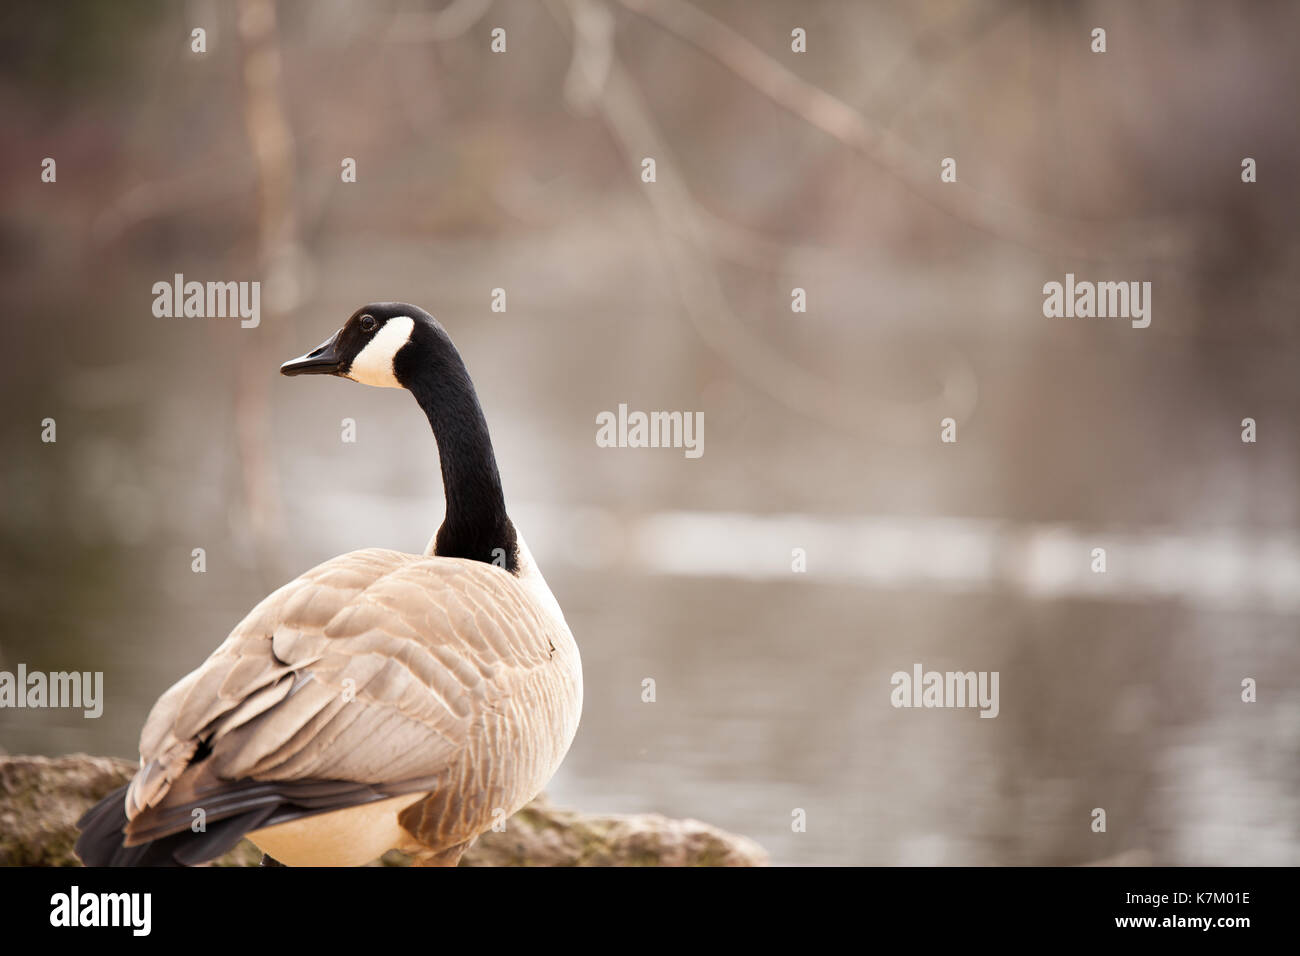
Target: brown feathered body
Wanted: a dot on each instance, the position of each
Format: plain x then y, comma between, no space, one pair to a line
380,700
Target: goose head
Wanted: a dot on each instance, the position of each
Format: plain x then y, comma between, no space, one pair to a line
385,344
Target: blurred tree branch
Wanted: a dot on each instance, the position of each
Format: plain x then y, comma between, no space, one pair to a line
452,21
688,249
278,256
1049,235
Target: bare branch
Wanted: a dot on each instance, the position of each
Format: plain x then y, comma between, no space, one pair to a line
690,259
453,21
1052,235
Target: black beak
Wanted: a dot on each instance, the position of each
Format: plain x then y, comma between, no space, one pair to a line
325,359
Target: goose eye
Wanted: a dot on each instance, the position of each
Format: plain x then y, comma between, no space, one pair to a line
368,323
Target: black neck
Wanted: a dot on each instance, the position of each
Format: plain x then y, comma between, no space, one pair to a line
476,525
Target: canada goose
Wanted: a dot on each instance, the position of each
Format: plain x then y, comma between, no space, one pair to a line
381,700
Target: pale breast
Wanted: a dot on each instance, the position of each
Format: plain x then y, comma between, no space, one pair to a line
350,837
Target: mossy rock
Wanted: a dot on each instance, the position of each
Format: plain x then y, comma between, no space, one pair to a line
41,799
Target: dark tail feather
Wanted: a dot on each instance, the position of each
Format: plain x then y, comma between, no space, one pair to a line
103,829
234,808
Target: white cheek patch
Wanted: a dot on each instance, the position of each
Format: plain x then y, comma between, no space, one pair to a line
374,363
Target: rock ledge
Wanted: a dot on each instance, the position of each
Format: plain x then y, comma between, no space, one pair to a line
42,797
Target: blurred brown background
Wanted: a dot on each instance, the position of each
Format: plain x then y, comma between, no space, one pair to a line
776,170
